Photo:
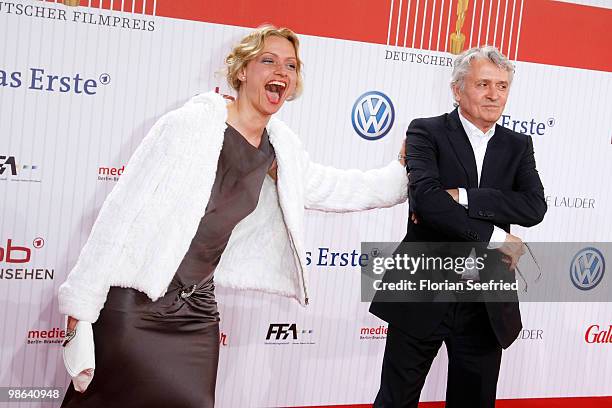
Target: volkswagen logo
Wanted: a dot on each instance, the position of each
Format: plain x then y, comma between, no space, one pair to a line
587,268
373,115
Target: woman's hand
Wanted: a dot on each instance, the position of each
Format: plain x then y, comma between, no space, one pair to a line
70,330
402,154
72,322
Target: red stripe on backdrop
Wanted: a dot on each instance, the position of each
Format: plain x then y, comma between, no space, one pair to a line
511,52
411,21
394,20
127,5
442,25
359,20
499,32
492,20
552,32
573,35
435,25
449,9
471,30
498,19
429,23
590,402
476,8
403,23
117,5
420,12
149,7
507,33
138,6
483,19
472,24
425,28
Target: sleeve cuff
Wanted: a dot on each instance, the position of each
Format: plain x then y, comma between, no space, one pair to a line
81,304
463,197
401,175
498,237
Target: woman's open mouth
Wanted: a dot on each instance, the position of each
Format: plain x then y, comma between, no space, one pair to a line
275,90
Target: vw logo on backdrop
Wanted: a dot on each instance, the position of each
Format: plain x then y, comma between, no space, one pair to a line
587,268
373,115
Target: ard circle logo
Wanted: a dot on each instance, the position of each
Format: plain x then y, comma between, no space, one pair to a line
373,115
587,268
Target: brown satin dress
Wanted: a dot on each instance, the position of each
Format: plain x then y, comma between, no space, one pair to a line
165,353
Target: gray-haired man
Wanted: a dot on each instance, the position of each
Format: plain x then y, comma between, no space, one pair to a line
469,180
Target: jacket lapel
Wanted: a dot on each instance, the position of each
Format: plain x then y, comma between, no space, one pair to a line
462,147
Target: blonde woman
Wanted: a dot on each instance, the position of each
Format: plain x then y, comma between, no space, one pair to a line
213,190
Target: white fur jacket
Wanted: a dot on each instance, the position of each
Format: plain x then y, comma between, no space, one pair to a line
147,222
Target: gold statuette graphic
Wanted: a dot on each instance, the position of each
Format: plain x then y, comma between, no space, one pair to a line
72,3
457,39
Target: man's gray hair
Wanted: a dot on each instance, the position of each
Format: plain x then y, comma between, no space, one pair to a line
462,63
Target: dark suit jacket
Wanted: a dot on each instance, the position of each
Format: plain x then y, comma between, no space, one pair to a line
440,157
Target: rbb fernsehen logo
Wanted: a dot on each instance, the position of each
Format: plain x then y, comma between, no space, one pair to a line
587,268
373,115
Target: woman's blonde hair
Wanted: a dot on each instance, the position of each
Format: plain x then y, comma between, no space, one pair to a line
250,47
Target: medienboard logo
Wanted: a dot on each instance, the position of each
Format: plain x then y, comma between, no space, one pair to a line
587,268
41,80
16,256
288,333
531,126
373,333
373,115
53,336
13,170
110,173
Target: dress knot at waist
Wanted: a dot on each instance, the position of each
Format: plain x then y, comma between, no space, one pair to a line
202,290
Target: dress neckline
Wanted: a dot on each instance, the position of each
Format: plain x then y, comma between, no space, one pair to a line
262,143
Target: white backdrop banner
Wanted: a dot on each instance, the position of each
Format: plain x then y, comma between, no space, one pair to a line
81,86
